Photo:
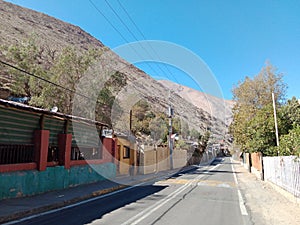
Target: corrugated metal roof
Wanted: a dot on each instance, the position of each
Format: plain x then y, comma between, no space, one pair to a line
20,106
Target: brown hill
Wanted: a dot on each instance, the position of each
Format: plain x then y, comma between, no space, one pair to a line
18,23
217,107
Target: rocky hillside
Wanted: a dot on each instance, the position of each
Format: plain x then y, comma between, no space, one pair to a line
18,23
217,107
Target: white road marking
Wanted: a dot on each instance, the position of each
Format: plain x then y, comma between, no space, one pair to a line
241,200
78,203
73,205
148,211
66,207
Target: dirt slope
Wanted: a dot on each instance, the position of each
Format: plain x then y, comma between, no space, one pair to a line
18,23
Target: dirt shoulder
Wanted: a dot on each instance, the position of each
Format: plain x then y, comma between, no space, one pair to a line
265,204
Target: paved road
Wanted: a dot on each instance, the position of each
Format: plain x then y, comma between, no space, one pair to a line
207,195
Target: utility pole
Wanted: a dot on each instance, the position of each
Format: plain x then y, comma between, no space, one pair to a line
275,119
130,120
171,113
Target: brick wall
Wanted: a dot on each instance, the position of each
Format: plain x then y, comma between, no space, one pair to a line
256,161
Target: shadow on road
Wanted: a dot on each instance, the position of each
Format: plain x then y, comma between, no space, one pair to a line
95,210
198,170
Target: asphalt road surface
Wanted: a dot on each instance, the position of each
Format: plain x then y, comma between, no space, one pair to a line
207,195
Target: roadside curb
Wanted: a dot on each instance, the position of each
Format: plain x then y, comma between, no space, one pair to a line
19,215
53,206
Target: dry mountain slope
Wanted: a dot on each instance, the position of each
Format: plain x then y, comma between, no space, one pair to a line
18,23
217,107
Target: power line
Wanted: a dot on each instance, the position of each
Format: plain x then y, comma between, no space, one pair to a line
128,29
50,82
130,18
141,33
114,11
45,80
144,37
111,24
133,35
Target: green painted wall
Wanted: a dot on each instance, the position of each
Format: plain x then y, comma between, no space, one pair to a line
31,182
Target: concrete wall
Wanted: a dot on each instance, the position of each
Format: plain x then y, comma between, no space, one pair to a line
179,158
148,161
31,182
163,160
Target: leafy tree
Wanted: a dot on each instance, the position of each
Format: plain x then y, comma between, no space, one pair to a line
159,129
203,141
256,93
181,144
66,71
140,120
290,143
252,126
261,131
65,68
194,134
185,131
107,97
290,114
33,58
176,123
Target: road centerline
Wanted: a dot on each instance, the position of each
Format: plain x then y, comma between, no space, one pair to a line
148,211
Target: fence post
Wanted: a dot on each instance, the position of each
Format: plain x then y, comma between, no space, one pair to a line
64,148
41,143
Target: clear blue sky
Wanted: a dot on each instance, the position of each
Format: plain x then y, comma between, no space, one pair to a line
234,38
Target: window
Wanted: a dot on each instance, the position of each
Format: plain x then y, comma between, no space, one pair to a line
126,153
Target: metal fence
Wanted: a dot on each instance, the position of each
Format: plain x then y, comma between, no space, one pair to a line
283,171
14,153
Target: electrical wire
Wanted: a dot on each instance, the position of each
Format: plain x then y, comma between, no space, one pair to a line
45,80
122,36
50,82
128,29
144,37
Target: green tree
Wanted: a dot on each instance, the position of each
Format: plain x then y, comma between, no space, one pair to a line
253,103
30,57
290,143
64,67
203,141
290,114
261,132
185,132
107,97
194,134
67,70
159,129
143,116
176,125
